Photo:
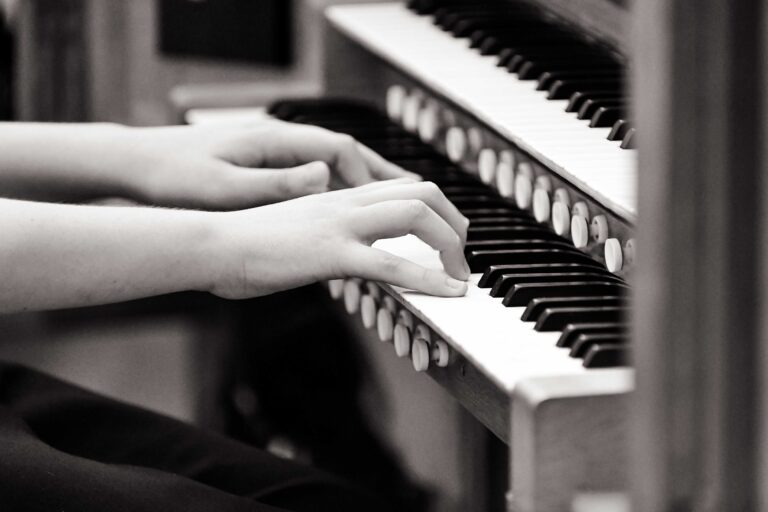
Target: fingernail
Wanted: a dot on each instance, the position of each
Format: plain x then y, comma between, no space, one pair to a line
455,283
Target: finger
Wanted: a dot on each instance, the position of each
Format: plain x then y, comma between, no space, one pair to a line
392,219
349,162
424,191
378,265
382,169
375,185
338,150
262,186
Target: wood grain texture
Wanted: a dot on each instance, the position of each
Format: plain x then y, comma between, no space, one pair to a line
52,61
568,438
699,97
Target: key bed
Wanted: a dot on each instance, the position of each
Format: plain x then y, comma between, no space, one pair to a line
524,263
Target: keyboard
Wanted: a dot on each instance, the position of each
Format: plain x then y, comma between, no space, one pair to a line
536,305
482,75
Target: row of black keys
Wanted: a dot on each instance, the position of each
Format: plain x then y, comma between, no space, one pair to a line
534,49
561,288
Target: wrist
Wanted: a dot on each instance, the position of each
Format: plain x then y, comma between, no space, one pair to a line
200,250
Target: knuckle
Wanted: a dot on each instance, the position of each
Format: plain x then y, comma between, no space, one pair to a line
456,242
431,190
416,209
347,142
389,263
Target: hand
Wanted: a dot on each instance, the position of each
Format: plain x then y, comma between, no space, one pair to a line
328,236
236,167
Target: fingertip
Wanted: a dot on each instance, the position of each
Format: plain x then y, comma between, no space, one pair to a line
316,176
455,287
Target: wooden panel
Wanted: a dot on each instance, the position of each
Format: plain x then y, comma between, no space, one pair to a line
699,91
52,60
569,435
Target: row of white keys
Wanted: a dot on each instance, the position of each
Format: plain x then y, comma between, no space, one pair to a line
527,113
583,155
492,336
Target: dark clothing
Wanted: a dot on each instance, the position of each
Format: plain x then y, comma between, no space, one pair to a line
63,448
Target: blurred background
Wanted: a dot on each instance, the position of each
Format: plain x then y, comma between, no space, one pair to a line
285,373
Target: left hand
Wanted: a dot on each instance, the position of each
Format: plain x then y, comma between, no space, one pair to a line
235,167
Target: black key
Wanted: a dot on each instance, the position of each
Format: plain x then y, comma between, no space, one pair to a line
467,25
502,221
511,233
577,99
629,141
521,294
465,189
563,89
537,306
573,331
442,179
555,319
442,8
585,341
589,107
606,356
448,16
480,260
535,69
471,202
573,70
506,210
504,283
495,272
606,116
401,151
619,129
495,44
516,57
516,245
493,41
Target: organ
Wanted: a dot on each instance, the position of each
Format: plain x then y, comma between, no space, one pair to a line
521,113
523,123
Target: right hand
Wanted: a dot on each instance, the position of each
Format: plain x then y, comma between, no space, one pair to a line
329,236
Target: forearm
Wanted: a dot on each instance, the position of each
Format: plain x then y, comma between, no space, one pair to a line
56,256
67,162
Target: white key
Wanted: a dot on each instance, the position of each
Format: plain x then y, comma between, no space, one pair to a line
479,326
497,98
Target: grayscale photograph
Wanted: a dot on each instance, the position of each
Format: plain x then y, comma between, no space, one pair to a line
383,256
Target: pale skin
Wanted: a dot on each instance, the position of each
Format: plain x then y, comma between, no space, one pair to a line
240,212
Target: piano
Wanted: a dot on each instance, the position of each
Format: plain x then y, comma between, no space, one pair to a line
520,114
